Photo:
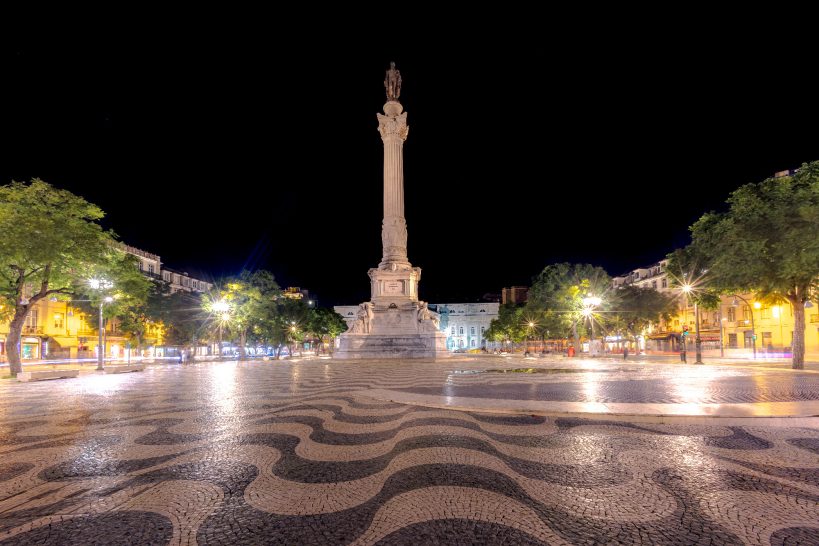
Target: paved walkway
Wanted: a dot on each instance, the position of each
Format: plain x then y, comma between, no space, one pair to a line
301,453
610,386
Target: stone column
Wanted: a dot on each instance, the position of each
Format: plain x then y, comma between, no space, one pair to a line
393,128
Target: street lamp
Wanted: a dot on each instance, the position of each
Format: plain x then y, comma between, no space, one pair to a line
735,303
101,284
223,308
293,329
530,325
697,340
590,302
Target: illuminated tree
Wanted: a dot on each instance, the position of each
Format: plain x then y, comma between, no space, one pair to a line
768,243
51,243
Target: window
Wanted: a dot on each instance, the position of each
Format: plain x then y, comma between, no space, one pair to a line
472,330
654,285
732,314
664,283
151,269
732,341
483,329
461,331
31,319
472,343
58,320
141,265
766,312
453,330
166,275
766,338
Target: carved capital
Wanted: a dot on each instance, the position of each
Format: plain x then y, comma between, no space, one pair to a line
393,126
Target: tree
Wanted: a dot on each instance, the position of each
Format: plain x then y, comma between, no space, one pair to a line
137,321
634,308
509,326
325,324
767,242
51,238
556,296
291,319
183,318
132,293
252,298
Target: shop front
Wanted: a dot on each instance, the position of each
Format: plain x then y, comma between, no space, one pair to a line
30,348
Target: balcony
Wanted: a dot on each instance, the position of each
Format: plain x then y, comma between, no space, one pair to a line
33,330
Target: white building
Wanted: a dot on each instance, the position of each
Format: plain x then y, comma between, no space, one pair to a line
654,276
180,280
463,323
151,265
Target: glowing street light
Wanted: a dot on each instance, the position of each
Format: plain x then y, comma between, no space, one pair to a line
223,308
530,325
101,284
687,289
590,302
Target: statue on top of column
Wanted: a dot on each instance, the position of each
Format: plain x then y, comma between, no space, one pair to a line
393,83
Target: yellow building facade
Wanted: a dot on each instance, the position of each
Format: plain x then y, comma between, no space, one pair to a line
733,326
55,330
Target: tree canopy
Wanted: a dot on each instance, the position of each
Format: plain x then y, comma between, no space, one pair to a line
556,296
51,243
767,242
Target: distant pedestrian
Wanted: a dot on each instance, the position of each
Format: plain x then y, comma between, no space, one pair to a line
625,353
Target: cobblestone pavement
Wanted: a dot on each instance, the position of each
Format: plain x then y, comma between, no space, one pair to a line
296,453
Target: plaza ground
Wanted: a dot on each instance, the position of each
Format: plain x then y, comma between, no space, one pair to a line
472,450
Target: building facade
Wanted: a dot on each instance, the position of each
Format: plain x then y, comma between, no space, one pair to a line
514,294
57,330
730,328
182,281
463,323
654,276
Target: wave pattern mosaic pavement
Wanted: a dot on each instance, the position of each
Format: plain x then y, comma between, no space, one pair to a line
296,453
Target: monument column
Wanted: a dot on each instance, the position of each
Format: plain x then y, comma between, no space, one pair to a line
394,324
393,128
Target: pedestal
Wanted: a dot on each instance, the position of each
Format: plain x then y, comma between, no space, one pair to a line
397,330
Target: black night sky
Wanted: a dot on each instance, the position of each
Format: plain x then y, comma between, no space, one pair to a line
245,151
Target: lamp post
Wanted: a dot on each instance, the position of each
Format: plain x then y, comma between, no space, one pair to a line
697,339
293,330
686,288
222,307
530,325
721,334
735,303
101,284
101,344
590,302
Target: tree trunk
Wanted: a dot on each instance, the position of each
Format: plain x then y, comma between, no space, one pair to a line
13,344
576,338
242,338
798,334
